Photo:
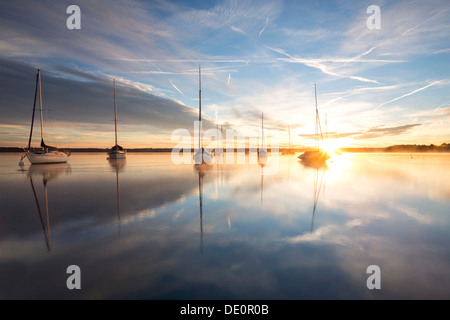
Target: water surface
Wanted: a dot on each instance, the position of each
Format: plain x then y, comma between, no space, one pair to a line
149,229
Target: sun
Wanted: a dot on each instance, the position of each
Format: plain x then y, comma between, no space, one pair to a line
331,147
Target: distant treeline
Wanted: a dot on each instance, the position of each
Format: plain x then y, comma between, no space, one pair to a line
410,148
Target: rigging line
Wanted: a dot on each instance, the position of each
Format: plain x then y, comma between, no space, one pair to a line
50,133
34,108
43,102
40,106
52,129
318,123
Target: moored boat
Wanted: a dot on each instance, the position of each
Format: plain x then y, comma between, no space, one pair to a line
46,154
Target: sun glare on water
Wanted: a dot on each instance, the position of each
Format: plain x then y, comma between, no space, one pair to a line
331,147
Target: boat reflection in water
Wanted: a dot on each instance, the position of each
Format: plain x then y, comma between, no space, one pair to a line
47,172
319,168
262,163
118,165
201,170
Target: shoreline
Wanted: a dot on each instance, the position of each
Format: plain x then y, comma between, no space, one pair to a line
393,149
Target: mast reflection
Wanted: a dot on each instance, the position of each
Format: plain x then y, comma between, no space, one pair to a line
262,165
201,170
118,165
48,172
319,185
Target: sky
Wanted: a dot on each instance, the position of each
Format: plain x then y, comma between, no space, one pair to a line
375,87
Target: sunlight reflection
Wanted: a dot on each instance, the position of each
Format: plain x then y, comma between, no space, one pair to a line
340,162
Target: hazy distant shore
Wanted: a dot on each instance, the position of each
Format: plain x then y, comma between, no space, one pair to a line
407,148
445,147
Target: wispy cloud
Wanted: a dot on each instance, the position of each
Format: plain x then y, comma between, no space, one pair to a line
447,50
400,97
224,15
410,93
238,30
320,64
381,131
173,85
372,133
440,106
401,35
263,29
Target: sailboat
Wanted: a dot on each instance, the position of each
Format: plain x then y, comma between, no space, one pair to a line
316,155
262,152
290,150
116,152
47,154
202,156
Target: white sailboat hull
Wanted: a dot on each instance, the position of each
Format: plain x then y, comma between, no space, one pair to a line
207,157
117,155
262,153
262,157
47,157
314,156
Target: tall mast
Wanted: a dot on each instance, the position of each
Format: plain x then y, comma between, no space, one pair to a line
34,108
199,94
318,133
200,144
221,138
262,130
40,105
115,111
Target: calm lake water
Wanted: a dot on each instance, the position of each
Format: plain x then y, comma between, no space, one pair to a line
150,229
